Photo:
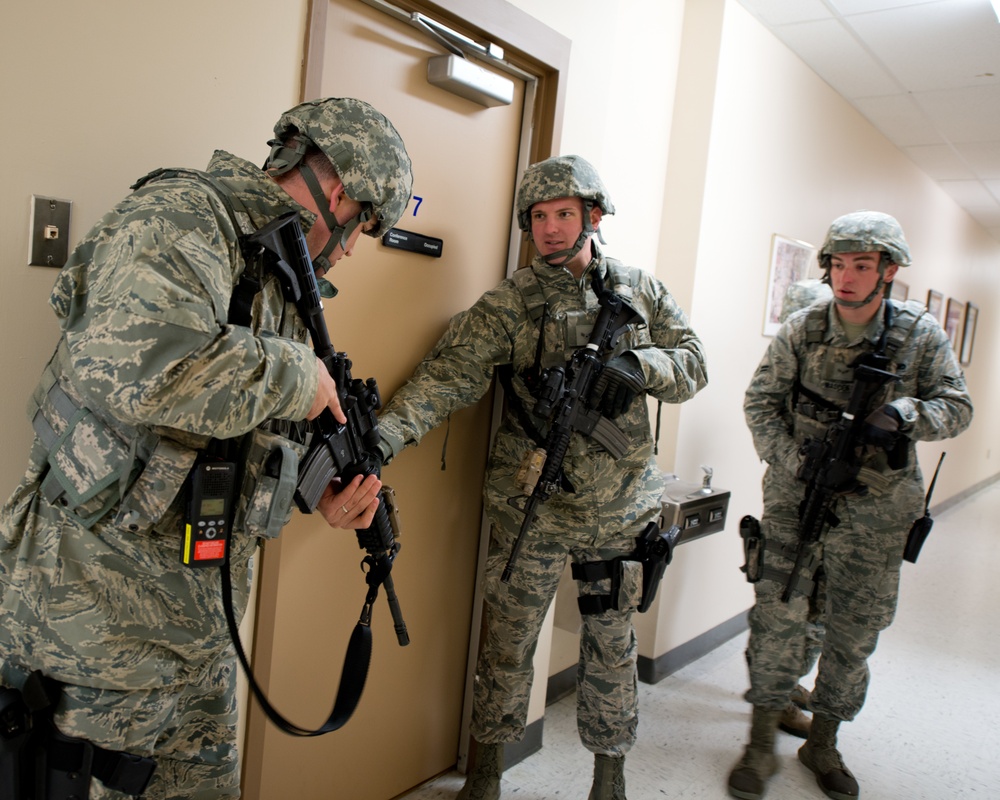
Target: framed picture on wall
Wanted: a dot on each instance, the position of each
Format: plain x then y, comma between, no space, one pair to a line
953,322
968,333
790,260
935,302
900,290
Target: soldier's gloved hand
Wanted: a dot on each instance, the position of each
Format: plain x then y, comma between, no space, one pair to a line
840,476
617,386
881,427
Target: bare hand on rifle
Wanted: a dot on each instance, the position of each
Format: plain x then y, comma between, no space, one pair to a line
350,506
326,396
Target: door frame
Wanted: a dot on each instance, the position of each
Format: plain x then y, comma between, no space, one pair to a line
528,44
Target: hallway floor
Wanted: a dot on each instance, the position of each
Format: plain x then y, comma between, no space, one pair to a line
930,729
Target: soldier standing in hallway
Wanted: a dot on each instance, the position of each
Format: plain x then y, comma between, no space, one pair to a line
799,391
533,321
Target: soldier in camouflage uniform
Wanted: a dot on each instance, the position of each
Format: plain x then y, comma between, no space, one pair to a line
151,374
559,204
800,387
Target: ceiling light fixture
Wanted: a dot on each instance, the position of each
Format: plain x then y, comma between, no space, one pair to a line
996,8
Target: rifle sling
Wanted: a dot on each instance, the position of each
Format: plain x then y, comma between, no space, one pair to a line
352,678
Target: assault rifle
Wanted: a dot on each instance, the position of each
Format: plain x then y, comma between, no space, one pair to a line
337,450
564,401
829,460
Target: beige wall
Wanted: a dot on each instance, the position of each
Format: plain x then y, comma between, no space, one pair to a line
97,94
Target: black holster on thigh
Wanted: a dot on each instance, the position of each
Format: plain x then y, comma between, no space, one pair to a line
38,762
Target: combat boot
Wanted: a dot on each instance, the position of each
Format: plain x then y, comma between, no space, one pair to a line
609,778
794,722
801,696
749,777
820,754
483,780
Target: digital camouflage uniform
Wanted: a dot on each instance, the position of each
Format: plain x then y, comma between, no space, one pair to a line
861,557
612,502
148,370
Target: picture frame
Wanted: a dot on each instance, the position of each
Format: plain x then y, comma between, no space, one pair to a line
968,333
935,302
790,261
953,322
900,290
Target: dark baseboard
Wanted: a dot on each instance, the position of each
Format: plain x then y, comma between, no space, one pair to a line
653,670
513,752
560,685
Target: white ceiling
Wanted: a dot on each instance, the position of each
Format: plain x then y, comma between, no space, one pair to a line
926,73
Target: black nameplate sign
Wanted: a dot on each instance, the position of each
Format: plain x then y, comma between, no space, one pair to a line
414,242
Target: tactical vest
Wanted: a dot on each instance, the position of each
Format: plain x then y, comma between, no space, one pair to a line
562,333
95,462
819,397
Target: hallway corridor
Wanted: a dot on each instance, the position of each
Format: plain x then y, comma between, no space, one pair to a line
930,729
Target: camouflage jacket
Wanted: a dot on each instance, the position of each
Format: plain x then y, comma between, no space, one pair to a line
811,350
148,355
499,330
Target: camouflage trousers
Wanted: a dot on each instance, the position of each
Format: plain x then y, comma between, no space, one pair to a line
607,705
189,729
861,560
138,641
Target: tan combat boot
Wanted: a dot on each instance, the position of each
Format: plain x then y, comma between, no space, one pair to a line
749,777
483,779
820,754
801,696
794,722
609,778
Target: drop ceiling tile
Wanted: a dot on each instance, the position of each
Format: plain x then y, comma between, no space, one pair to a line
970,194
940,161
782,12
982,157
951,43
865,6
964,115
838,58
900,119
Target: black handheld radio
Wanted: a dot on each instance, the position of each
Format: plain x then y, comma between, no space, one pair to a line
206,524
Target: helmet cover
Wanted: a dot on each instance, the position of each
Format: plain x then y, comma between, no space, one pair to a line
865,232
365,149
560,176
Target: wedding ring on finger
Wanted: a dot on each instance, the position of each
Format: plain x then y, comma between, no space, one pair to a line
344,509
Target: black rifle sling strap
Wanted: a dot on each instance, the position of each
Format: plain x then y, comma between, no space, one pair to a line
352,678
359,649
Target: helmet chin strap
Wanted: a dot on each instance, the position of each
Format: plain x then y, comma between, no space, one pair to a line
858,303
339,234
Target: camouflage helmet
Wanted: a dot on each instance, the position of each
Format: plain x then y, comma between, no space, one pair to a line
560,176
363,146
864,232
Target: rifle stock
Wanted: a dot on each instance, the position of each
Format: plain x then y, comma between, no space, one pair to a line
564,401
337,450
